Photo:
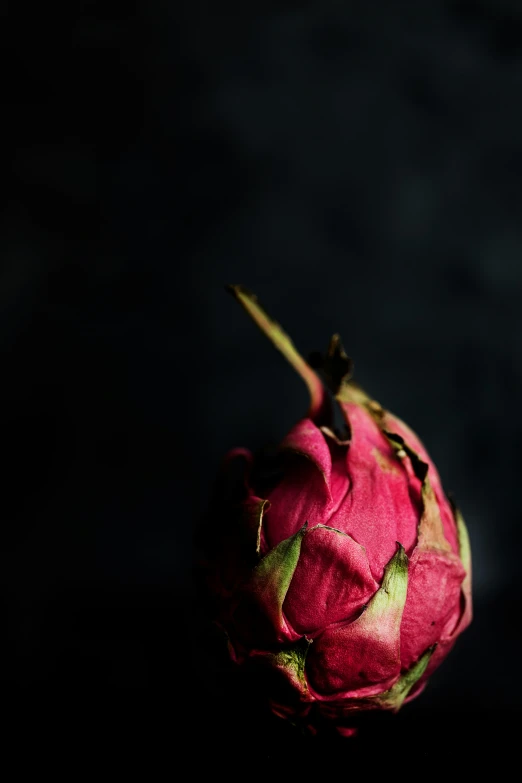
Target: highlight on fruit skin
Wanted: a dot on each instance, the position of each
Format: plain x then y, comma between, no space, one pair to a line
343,574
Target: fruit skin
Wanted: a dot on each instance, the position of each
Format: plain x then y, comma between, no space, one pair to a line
344,579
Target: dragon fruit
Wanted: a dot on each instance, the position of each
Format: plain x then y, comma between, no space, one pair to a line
344,574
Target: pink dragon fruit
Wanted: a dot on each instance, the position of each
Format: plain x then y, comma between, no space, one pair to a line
344,577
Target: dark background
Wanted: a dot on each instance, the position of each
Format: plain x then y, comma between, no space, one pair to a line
359,166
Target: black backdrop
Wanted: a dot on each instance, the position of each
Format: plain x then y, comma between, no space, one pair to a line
359,166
